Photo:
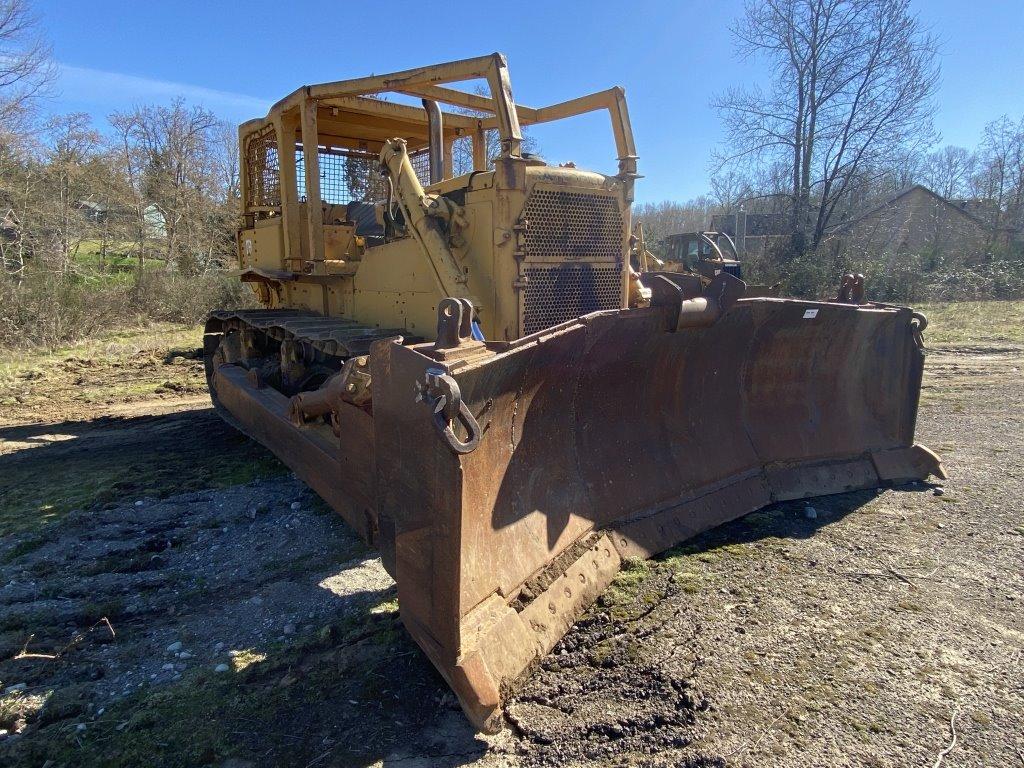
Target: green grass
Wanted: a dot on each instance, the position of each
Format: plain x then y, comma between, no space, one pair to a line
971,322
628,581
112,346
120,256
689,582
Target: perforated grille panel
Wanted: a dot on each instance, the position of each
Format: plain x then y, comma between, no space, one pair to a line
263,172
561,292
572,225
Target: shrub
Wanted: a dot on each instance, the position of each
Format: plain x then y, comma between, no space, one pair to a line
899,278
176,298
47,310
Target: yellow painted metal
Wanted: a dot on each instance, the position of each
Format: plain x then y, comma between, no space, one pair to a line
314,213
499,542
466,236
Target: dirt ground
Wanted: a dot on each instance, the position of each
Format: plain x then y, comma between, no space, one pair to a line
171,595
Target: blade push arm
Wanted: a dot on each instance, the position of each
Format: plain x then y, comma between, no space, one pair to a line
424,215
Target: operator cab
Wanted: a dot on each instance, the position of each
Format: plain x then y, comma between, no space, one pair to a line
704,253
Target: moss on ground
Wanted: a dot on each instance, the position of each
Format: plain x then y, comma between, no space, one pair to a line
337,681
66,468
155,469
622,598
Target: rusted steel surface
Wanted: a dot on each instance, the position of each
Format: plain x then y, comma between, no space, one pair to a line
330,335
616,423
339,468
504,481
487,469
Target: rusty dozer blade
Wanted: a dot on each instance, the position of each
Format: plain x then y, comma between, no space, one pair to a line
513,479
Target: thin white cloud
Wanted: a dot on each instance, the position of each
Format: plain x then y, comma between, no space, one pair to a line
101,90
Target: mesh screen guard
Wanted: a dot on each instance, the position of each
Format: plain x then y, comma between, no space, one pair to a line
573,260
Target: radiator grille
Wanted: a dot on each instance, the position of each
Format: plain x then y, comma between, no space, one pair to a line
554,294
573,225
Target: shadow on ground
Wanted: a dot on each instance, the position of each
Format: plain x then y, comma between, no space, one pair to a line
357,693
47,470
355,690
798,519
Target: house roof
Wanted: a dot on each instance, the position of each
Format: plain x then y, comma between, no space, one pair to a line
92,205
903,193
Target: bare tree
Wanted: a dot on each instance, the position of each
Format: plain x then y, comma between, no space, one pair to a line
852,82
223,207
462,149
25,71
18,179
25,65
169,156
1000,178
728,188
69,175
130,193
225,159
948,171
109,186
669,218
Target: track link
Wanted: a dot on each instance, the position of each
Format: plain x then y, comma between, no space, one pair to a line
333,336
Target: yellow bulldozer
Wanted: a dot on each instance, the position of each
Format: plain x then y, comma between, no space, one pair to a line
453,351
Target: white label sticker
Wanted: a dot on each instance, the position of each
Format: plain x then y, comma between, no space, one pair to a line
809,313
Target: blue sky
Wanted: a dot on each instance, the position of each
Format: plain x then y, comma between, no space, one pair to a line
672,58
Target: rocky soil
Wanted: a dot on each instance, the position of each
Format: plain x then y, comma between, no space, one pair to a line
239,623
